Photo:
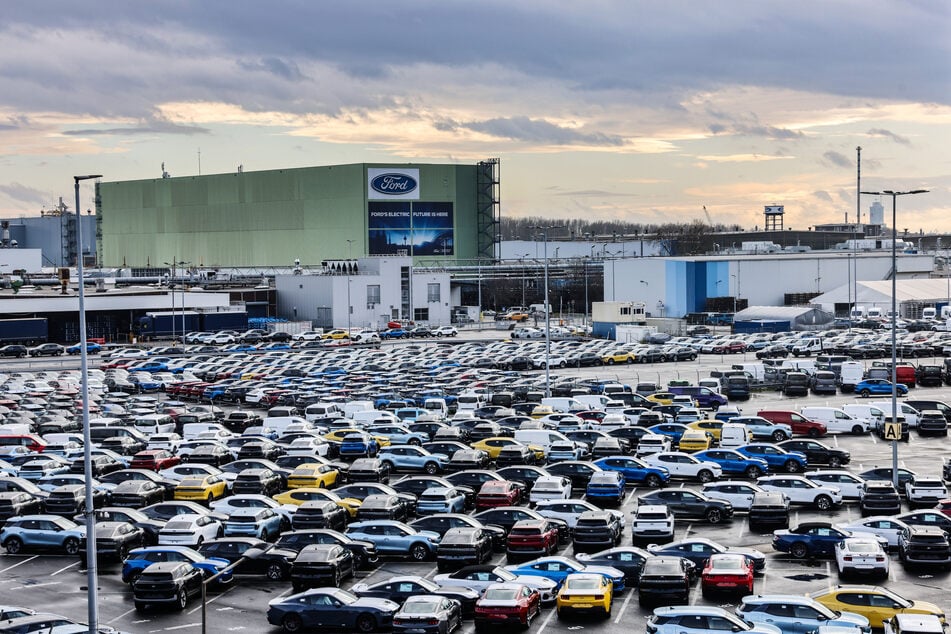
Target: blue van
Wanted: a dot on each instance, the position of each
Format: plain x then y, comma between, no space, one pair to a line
704,396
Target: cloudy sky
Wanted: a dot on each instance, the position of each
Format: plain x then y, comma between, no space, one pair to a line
637,110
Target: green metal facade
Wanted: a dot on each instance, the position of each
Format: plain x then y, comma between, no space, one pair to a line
267,218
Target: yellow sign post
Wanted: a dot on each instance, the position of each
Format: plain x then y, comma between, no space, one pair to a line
893,431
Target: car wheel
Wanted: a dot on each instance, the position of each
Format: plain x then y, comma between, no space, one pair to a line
275,572
365,623
13,545
704,476
182,599
792,466
292,623
610,361
431,468
201,540
418,552
779,436
753,472
857,430
799,550
835,462
653,480
264,535
714,516
823,503
71,546
865,393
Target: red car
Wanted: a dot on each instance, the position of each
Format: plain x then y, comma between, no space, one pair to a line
154,460
31,441
727,573
592,415
944,506
507,603
730,347
497,493
801,426
529,539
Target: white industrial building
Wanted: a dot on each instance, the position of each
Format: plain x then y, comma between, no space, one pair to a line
675,286
911,296
365,293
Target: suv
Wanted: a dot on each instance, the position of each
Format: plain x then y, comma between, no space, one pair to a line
924,546
529,539
653,522
695,619
167,583
768,511
664,580
932,421
925,491
320,514
879,497
596,530
463,546
796,613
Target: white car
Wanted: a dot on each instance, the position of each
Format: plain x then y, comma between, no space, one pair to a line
882,526
925,491
190,530
445,331
683,465
219,339
848,484
234,503
528,333
654,522
801,490
168,442
479,578
554,361
652,444
570,510
550,488
736,492
306,446
308,335
861,555
366,336
188,470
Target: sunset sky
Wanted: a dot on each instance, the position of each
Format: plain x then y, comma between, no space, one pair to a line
640,110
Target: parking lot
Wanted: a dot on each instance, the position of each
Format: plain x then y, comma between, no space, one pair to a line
57,583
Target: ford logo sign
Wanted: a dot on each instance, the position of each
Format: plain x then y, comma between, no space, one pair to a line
393,184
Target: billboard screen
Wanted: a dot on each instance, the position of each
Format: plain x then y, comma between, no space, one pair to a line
416,228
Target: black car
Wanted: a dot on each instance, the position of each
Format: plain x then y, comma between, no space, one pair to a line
368,470
137,493
628,559
14,350
505,518
319,565
428,615
578,471
689,504
399,589
773,351
885,473
932,422
114,540
364,552
260,449
331,608
47,350
382,506
150,528
768,511
320,514
927,518
362,490
924,546
523,474
15,503
117,477
166,583
256,557
596,530
515,455
70,499
416,485
463,546
442,522
879,497
664,581
817,453
214,455
257,481
699,550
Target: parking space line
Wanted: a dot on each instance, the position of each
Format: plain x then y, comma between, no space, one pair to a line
65,568
123,615
551,613
630,595
35,585
214,598
27,560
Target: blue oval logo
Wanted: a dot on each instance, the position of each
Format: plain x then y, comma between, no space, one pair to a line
393,184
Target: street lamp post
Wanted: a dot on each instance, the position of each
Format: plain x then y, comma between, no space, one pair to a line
585,320
894,320
349,305
92,572
545,231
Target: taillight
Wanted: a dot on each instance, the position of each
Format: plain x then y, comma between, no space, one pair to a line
432,622
847,558
879,558
598,597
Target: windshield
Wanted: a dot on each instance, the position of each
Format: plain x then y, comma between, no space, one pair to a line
501,594
583,584
421,607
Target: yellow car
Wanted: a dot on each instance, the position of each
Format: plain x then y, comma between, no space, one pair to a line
541,411
516,316
694,440
585,593
309,494
312,474
336,334
709,425
338,434
662,398
493,446
206,489
619,356
874,603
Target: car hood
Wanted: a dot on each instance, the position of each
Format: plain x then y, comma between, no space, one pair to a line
430,535
604,570
461,590
536,582
752,553
380,604
849,619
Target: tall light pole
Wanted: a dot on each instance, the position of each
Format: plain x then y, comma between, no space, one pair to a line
894,320
523,277
585,319
545,231
92,572
349,305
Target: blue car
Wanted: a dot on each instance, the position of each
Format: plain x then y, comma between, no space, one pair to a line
813,539
879,387
396,538
777,458
412,458
398,434
358,444
635,471
141,558
606,487
41,532
672,430
441,500
558,568
91,348
763,429
734,463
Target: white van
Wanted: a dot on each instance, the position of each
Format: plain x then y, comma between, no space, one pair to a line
593,401
712,384
836,420
351,408
851,374
874,415
733,435
909,412
191,431
280,423
151,424
565,404
315,411
470,401
544,438
436,407
368,417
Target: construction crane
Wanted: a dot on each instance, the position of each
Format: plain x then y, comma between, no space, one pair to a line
707,214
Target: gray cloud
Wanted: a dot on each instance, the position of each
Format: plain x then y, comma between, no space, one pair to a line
837,158
822,195
768,131
276,66
888,134
24,193
155,125
595,192
534,131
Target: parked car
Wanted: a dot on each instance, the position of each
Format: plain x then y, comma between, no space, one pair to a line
331,608
320,565
166,583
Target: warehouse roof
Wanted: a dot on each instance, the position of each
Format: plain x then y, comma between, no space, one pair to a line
772,313
880,292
